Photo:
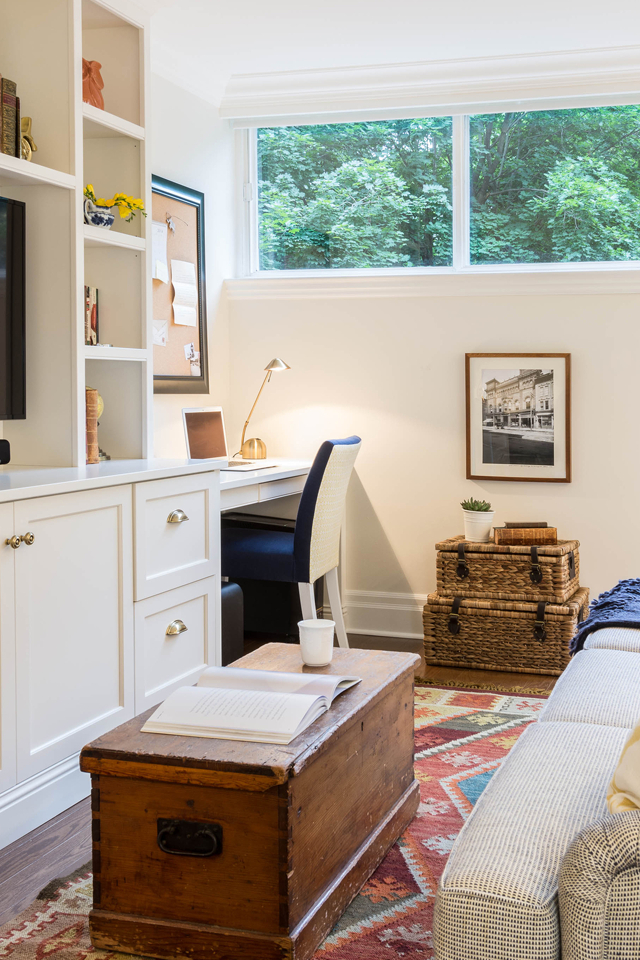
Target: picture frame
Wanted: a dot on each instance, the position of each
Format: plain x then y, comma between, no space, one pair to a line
180,355
518,417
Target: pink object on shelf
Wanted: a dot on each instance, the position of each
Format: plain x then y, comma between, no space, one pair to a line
92,83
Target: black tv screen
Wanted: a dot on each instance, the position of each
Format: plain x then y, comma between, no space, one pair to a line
12,310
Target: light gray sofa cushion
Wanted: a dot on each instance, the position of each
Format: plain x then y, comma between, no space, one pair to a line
598,686
498,895
614,638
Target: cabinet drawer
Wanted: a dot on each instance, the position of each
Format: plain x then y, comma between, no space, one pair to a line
177,532
238,496
174,640
282,488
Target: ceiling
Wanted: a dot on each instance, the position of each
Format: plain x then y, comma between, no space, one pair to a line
199,44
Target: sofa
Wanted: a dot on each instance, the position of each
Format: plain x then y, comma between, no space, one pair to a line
541,870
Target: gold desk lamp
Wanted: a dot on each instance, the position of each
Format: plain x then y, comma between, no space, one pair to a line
255,449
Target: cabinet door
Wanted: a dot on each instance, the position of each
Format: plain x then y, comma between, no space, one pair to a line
177,532
7,653
174,639
74,631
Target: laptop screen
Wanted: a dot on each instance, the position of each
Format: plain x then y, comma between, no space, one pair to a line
205,433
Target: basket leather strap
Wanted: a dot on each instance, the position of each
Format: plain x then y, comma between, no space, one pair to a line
539,631
454,619
535,574
572,565
462,570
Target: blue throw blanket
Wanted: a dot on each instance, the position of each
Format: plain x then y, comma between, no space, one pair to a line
618,607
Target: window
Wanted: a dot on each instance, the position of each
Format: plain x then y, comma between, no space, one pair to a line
355,195
544,187
555,186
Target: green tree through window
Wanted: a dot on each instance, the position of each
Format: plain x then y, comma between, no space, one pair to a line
374,194
556,186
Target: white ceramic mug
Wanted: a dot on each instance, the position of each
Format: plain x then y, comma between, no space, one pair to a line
316,642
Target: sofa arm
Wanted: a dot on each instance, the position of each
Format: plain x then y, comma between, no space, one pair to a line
599,890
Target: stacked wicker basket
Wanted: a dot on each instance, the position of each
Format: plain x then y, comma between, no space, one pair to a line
504,607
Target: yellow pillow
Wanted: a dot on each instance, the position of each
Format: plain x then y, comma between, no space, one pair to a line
624,789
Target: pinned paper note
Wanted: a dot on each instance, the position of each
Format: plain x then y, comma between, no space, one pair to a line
160,267
160,332
185,293
193,356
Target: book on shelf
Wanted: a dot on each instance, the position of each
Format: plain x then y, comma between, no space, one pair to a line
9,133
91,337
262,706
91,415
18,143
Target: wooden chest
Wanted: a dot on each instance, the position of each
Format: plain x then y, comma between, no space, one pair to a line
497,635
490,571
296,829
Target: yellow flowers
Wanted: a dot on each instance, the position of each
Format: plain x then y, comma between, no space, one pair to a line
127,206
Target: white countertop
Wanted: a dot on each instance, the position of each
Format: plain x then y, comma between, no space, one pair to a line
22,482
230,479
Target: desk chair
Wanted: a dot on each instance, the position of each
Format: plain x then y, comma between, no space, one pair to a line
312,550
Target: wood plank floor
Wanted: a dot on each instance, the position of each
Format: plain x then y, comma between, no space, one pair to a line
63,844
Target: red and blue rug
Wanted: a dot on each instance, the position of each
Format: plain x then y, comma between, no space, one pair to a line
461,739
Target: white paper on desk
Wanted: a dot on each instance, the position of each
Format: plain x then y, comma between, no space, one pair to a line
185,293
160,332
160,269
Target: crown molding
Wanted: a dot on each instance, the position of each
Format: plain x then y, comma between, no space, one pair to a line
549,282
463,85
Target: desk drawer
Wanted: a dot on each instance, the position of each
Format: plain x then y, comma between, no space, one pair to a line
282,488
164,660
180,550
239,496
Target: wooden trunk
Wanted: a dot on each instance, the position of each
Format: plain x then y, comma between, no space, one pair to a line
303,826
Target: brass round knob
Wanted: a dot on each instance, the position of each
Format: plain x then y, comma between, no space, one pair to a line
13,542
28,538
175,628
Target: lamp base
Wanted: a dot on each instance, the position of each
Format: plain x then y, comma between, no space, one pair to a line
254,449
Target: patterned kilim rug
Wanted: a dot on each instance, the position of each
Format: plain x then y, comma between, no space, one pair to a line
462,737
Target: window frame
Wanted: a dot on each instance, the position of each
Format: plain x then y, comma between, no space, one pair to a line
248,259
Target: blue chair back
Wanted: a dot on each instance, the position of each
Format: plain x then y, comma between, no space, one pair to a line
316,544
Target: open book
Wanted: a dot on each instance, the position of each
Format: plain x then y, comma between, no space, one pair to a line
264,706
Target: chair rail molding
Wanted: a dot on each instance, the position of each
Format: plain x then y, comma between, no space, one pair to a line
562,78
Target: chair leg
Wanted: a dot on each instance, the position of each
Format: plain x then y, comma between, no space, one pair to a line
331,580
308,601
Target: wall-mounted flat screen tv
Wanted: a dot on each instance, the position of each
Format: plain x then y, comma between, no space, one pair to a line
12,310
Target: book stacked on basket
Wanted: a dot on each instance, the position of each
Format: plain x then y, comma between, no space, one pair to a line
505,606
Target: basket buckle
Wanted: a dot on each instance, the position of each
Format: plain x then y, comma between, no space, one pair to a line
572,565
454,618
462,570
535,574
539,631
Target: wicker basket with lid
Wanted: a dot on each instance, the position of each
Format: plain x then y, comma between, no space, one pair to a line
496,572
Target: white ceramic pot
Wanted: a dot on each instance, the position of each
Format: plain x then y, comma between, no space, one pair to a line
477,525
97,216
316,642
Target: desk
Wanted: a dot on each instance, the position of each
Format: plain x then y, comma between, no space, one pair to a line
257,486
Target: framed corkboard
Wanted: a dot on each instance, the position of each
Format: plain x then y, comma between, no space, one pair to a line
180,361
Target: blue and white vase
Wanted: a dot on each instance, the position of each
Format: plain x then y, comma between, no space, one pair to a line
97,216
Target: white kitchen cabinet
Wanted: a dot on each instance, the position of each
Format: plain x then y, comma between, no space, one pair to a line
7,653
174,640
74,623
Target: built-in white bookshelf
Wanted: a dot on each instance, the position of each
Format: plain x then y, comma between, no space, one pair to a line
42,44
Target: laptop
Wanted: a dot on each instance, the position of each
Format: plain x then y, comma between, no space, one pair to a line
206,439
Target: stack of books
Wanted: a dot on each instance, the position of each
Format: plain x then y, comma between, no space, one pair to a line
524,534
10,133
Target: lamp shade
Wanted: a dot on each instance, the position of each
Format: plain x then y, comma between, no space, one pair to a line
276,365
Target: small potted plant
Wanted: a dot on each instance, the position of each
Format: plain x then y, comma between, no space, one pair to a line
97,212
478,519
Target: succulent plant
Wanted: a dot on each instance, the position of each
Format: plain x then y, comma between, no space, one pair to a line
481,506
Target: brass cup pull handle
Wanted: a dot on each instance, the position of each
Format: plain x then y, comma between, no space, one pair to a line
13,542
175,628
177,516
28,538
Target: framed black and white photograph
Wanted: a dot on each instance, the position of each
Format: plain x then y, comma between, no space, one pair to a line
519,416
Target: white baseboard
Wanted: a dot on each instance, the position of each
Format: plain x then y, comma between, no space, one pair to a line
381,614
34,801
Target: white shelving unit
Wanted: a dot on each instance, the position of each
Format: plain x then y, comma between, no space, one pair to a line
79,144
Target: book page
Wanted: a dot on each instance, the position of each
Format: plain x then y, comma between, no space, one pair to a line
235,710
326,685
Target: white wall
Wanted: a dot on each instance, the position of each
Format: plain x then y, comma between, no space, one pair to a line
193,147
392,370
